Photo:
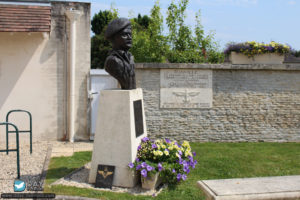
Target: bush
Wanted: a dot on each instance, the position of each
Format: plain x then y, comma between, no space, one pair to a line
171,160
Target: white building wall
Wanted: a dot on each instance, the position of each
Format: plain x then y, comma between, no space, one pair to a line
33,75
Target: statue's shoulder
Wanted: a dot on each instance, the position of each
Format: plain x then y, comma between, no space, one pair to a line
113,63
113,59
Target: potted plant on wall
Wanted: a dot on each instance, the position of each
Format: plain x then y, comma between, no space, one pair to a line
163,161
256,53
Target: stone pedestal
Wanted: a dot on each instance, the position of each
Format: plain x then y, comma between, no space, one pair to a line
120,127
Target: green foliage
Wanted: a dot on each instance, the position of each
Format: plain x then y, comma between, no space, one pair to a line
184,46
100,47
142,21
296,53
149,45
101,19
180,35
171,160
181,45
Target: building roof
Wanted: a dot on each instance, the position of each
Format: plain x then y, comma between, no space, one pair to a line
25,18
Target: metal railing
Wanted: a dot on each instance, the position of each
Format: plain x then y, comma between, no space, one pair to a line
17,145
20,131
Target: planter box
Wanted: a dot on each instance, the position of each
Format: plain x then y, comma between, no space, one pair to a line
268,58
150,183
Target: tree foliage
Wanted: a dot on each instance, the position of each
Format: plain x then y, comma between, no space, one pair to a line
142,21
100,47
185,47
149,45
180,45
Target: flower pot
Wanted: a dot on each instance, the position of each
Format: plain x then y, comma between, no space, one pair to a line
268,58
150,182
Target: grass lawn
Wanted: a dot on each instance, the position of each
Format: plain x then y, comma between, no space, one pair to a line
215,161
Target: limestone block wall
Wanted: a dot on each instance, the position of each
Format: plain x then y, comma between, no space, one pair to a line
250,103
34,74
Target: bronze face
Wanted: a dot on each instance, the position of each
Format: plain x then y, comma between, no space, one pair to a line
123,39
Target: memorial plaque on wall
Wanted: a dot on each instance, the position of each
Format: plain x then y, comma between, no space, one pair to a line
185,88
105,176
138,118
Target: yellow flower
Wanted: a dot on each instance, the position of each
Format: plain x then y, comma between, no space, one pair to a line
166,153
160,153
177,155
188,153
185,143
171,148
163,146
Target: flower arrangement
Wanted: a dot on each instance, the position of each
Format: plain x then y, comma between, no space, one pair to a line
173,161
253,48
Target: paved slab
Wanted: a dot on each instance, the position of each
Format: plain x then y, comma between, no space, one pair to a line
263,188
67,149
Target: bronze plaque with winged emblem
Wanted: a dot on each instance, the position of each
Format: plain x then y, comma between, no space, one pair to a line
105,176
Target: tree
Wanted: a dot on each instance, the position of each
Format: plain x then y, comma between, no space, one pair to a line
142,21
181,45
184,46
149,44
101,19
100,47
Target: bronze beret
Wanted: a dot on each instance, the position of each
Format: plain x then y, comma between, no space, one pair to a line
115,26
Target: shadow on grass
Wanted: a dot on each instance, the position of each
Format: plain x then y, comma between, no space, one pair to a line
57,173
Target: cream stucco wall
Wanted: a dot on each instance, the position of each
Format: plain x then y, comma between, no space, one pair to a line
34,72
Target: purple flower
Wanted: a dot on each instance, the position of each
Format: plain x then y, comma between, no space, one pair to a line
138,167
173,170
145,139
180,161
186,169
159,167
180,153
194,153
183,177
139,147
144,165
149,168
193,164
168,141
137,160
270,48
184,163
130,165
154,146
144,173
178,177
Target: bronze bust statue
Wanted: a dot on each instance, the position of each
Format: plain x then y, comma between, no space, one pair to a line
120,62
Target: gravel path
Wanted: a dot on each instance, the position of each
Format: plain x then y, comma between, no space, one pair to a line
31,166
79,178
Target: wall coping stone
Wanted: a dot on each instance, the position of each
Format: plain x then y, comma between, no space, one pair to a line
228,66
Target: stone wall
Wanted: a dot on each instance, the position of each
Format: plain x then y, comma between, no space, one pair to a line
250,103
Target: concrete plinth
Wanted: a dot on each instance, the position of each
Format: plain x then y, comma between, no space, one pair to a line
263,188
115,141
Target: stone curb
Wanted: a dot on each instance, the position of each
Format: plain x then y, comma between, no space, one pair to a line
63,197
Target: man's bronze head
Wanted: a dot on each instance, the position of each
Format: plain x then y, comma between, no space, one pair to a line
119,33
